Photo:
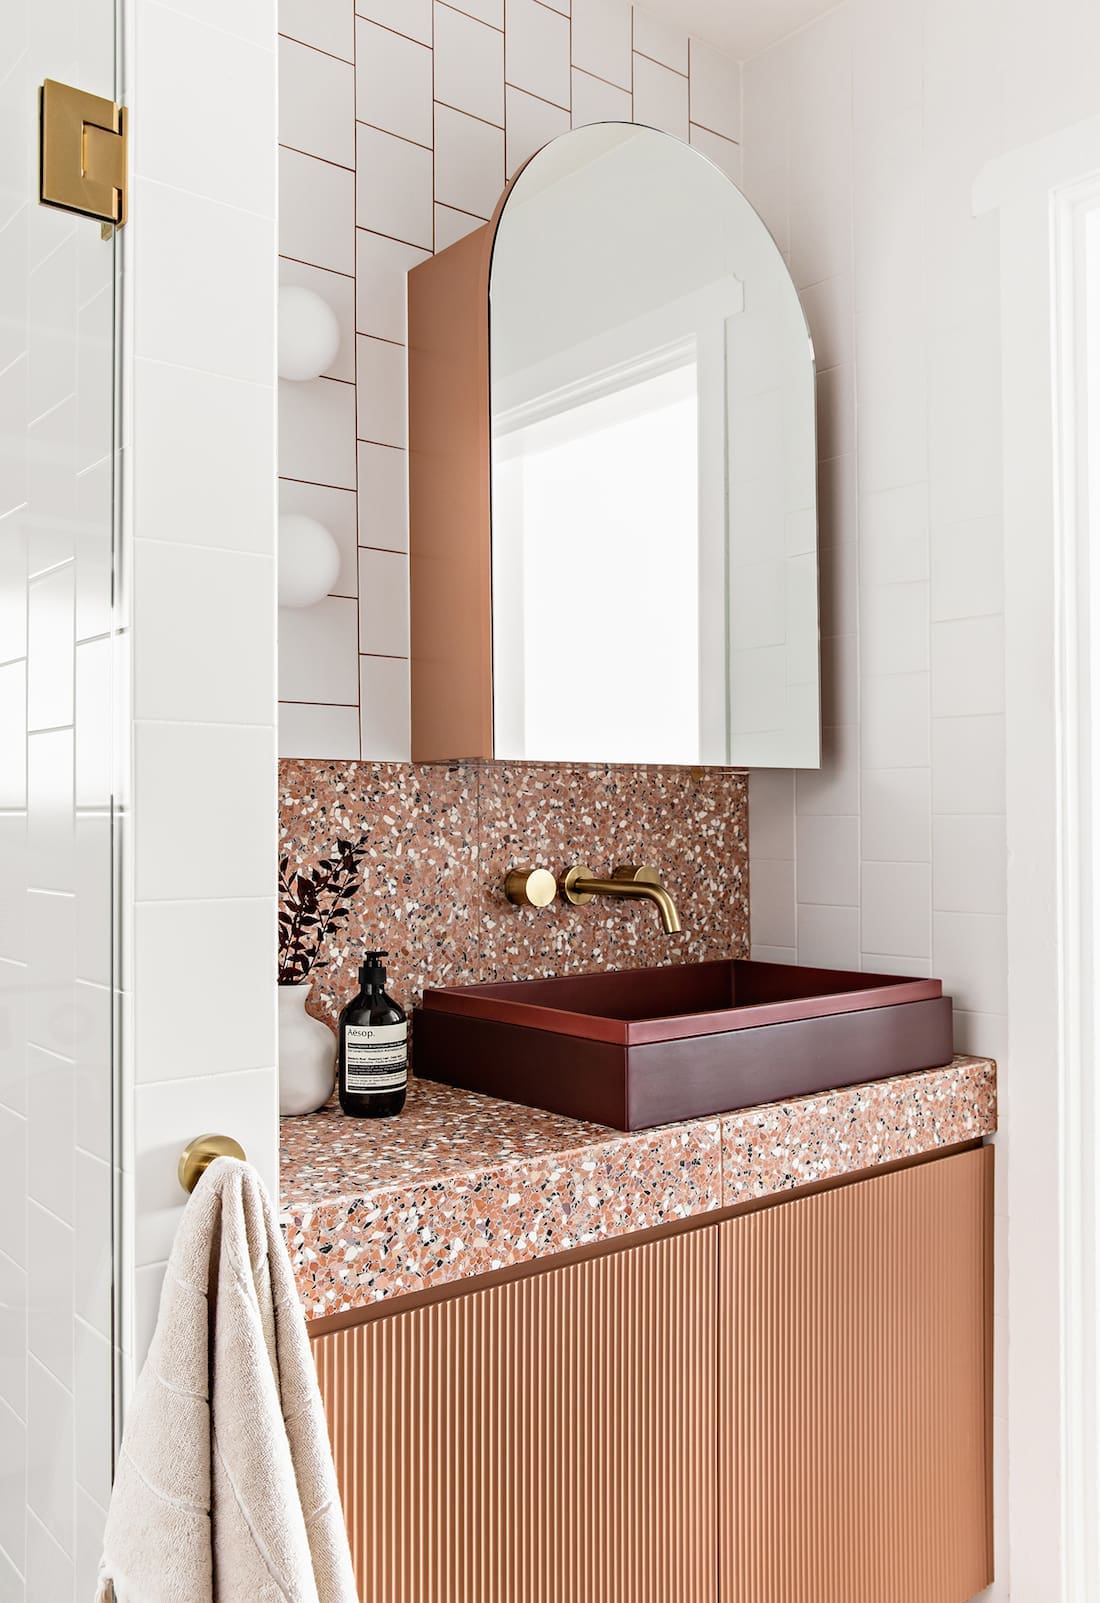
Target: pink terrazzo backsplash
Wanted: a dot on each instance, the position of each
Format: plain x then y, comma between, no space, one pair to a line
440,841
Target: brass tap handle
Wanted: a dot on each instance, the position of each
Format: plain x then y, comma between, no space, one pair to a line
637,874
199,1154
531,887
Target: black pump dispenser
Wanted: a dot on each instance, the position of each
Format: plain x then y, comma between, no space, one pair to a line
373,1055
372,975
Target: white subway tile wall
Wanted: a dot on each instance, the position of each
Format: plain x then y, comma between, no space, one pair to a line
198,541
56,650
861,153
395,142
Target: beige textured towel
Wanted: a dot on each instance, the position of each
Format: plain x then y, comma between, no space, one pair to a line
225,1491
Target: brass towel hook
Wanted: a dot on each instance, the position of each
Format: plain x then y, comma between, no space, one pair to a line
199,1154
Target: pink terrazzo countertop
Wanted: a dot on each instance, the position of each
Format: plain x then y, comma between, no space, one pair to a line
461,1184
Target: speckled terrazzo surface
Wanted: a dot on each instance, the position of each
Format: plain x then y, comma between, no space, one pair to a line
462,1184
441,840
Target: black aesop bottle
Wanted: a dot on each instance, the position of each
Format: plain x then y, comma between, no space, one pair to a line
374,1048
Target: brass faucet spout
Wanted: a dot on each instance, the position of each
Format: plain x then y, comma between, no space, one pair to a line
630,884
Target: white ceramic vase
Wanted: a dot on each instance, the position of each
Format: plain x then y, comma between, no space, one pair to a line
307,1054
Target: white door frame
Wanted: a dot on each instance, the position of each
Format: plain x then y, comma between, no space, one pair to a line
1047,1125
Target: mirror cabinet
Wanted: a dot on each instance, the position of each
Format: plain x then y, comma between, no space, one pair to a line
613,523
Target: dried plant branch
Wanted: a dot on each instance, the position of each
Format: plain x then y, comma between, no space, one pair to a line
313,904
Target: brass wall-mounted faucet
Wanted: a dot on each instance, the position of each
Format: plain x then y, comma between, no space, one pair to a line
632,882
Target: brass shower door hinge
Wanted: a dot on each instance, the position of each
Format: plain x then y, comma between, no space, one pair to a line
83,166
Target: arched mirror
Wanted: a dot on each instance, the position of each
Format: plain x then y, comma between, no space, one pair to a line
652,484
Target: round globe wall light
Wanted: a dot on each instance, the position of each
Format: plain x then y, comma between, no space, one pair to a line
309,560
309,335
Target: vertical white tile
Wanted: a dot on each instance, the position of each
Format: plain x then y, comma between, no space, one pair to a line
772,906
968,765
410,17
172,941
383,497
724,153
51,1116
384,709
896,815
828,937
51,862
715,90
660,97
452,225
970,856
50,1291
894,628
318,652
383,603
490,11
661,40
227,159
13,735
310,730
94,775
317,432
469,65
602,39
231,503
50,1467
771,814
469,162
325,24
181,851
393,83
896,908
382,403
968,667
51,629
393,180
596,101
188,666
827,855
530,124
381,288
183,233
968,954
317,209
536,50
316,103
13,1493
894,727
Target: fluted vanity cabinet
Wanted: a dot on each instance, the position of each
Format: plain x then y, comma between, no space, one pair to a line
855,1458
789,1406
546,1440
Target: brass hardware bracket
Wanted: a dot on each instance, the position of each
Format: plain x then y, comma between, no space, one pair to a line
83,153
199,1154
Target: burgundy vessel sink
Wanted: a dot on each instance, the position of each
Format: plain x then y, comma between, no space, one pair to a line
652,1046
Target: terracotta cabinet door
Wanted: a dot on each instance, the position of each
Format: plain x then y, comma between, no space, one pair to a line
546,1440
854,1462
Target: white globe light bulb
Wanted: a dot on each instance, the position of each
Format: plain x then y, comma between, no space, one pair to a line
309,335
309,560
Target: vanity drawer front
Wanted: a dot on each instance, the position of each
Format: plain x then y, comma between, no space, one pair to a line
855,1398
549,1439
